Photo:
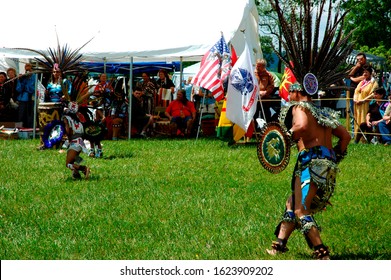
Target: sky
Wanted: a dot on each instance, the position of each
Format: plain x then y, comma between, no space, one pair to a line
155,23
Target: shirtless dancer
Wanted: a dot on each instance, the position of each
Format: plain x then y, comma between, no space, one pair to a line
313,180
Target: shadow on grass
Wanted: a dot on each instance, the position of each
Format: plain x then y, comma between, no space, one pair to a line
118,156
353,256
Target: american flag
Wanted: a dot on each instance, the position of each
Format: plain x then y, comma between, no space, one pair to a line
215,67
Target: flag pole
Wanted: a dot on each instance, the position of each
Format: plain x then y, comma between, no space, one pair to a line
202,109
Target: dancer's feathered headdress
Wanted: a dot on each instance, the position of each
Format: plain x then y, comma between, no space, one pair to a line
301,36
68,61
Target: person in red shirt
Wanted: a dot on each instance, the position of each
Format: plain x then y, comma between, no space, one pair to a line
181,113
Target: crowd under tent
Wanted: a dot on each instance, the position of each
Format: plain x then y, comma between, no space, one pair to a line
134,31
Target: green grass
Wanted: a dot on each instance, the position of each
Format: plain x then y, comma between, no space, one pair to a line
180,199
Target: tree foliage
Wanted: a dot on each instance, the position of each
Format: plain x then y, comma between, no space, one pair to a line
371,22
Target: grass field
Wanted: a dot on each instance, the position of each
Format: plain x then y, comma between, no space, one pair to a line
180,199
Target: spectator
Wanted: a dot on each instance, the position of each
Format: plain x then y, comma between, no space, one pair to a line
356,74
188,88
207,104
181,113
5,98
25,87
385,125
166,88
266,90
57,86
362,96
11,83
374,116
149,90
102,92
141,120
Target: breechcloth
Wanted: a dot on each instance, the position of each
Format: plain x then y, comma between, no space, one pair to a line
316,165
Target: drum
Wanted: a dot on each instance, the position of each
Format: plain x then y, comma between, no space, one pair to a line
208,127
162,127
48,112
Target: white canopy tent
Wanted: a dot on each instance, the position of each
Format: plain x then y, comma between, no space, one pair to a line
129,31
172,30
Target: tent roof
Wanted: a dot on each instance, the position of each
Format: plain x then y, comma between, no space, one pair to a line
154,30
373,59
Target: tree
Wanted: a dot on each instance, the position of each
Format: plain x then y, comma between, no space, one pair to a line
371,22
270,31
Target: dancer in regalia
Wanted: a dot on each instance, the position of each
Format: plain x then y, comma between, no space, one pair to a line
310,127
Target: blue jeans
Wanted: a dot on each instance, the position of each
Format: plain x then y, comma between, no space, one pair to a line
385,131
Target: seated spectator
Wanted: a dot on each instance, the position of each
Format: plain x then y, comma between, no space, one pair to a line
181,113
385,125
374,116
141,120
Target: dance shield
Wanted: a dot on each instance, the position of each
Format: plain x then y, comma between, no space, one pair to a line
274,148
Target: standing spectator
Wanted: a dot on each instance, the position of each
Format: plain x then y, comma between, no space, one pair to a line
385,125
149,91
10,89
181,113
374,116
188,88
362,96
57,86
5,98
356,74
166,88
11,83
25,87
266,90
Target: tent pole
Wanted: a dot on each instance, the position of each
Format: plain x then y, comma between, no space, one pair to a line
130,98
35,102
181,73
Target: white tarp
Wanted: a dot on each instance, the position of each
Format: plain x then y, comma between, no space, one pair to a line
151,30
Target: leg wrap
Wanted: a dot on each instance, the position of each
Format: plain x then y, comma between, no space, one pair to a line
306,223
71,166
289,217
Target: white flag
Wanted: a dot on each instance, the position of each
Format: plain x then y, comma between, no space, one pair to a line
242,94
